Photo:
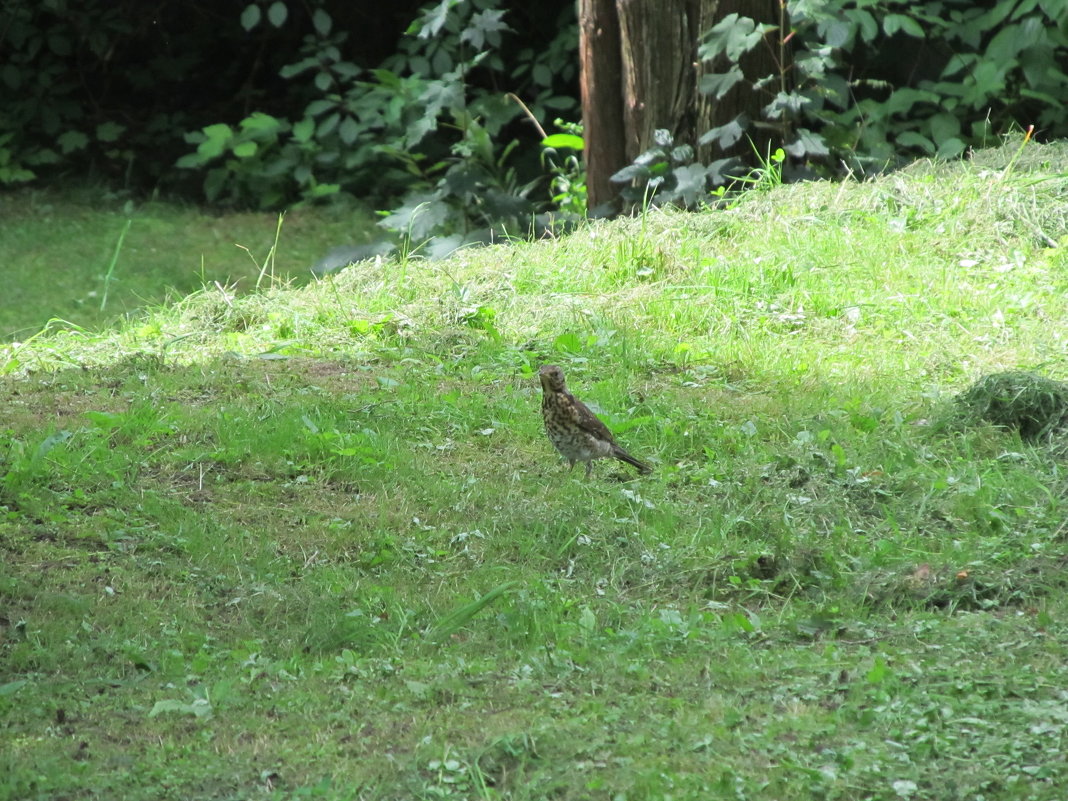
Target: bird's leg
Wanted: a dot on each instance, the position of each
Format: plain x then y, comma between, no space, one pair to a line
589,467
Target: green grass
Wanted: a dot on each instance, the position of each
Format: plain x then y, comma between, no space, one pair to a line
92,260
312,543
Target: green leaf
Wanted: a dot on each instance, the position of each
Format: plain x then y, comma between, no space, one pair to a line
943,126
836,32
418,217
792,102
45,155
216,139
190,161
69,141
322,22
220,131
563,140
682,154
587,620
950,148
12,175
879,671
569,343
732,36
737,621
905,99
346,69
892,23
109,131
322,190
430,24
1007,44
958,62
913,28
348,130
869,28
560,102
690,182
834,89
913,139
327,126
289,70
419,689
726,135
632,172
250,17
277,14
261,123
420,66
444,94
387,78
808,144
303,130
484,26
718,84
245,150
1048,99
542,75
989,80
317,107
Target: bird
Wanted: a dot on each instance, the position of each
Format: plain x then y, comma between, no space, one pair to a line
573,429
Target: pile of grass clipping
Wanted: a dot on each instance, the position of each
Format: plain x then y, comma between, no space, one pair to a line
1031,404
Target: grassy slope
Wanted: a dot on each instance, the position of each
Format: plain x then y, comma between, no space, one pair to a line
312,543
56,252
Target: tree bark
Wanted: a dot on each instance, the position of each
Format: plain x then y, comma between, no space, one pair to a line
602,103
659,52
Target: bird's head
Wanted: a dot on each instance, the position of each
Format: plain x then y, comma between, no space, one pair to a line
552,378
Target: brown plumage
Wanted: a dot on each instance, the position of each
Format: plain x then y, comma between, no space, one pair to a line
573,429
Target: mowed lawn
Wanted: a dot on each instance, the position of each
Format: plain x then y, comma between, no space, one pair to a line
311,541
90,260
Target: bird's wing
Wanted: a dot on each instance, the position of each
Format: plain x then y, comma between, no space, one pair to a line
587,420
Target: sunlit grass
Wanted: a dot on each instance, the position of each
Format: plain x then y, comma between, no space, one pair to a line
312,542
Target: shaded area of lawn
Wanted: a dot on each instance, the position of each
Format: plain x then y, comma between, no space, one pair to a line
56,250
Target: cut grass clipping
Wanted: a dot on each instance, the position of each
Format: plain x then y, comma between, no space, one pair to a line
1031,404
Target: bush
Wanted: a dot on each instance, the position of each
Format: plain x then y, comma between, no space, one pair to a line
104,90
880,82
871,85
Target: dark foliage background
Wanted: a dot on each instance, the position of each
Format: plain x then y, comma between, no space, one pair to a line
109,90
416,106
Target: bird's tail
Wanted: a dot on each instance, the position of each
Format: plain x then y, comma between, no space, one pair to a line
623,456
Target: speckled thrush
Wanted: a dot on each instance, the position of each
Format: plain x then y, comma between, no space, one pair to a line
573,429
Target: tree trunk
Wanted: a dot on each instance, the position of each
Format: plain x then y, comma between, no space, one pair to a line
640,72
659,51
602,103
